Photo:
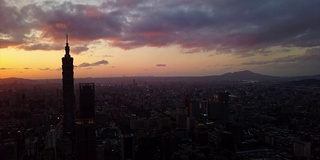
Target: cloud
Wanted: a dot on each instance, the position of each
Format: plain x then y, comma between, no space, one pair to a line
4,43
102,62
13,26
245,28
6,68
27,68
41,46
107,56
161,65
58,69
85,64
50,69
256,62
77,49
45,69
311,56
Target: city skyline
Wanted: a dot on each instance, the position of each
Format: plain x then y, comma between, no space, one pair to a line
159,38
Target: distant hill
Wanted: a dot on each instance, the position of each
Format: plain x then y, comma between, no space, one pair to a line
12,80
246,75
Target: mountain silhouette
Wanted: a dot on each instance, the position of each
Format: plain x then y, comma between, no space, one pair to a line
246,75
15,80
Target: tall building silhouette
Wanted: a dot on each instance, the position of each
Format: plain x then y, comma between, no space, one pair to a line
85,124
218,108
86,100
68,92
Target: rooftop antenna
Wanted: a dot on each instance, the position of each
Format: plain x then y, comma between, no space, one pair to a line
67,47
67,38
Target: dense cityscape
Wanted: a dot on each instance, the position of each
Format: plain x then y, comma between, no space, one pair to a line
158,118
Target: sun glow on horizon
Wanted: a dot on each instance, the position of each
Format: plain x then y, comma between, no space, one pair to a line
146,61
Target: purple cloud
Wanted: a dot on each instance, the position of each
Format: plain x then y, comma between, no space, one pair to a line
77,49
245,28
41,46
85,64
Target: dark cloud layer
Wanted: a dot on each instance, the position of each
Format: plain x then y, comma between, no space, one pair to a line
240,27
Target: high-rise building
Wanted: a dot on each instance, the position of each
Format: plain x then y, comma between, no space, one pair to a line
127,147
87,104
218,108
68,92
201,134
181,117
302,149
8,149
194,109
85,124
86,139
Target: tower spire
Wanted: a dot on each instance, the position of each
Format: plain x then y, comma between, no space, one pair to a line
67,48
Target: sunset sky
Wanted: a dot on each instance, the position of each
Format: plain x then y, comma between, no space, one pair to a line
110,38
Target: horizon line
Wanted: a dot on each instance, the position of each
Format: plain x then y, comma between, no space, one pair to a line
159,76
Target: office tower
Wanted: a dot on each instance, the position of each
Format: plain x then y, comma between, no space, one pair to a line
86,139
87,105
182,114
227,141
181,117
235,129
85,124
302,150
8,149
194,109
201,134
128,147
218,108
68,95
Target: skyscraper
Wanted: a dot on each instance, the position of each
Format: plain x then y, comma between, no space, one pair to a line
218,108
87,104
68,92
85,124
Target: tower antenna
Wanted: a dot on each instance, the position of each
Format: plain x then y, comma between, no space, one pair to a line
66,38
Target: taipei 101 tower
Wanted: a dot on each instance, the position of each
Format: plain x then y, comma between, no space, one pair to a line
68,93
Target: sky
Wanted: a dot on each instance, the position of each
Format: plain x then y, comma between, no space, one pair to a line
112,38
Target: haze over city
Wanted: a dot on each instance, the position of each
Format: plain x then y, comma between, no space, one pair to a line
159,38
